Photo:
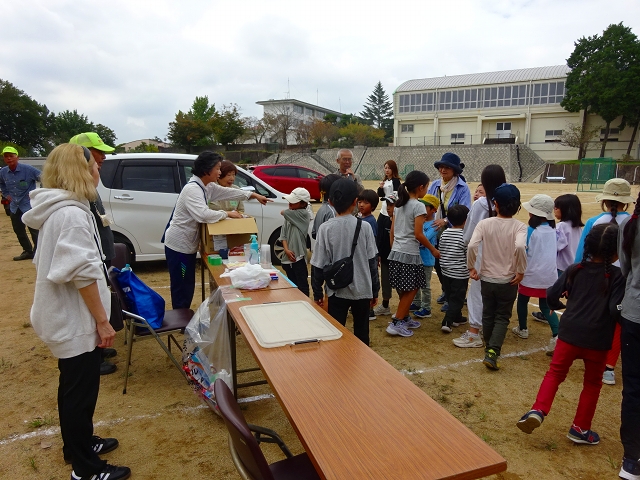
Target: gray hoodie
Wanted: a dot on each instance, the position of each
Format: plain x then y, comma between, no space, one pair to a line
68,258
630,267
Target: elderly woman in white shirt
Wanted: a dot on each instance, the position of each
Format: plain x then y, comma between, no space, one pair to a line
192,208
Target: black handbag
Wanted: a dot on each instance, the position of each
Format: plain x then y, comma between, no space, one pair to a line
340,274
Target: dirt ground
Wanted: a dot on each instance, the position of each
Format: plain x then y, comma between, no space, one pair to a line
165,432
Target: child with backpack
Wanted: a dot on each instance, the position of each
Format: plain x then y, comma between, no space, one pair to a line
594,288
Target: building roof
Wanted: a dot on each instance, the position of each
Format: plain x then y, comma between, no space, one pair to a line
297,102
488,78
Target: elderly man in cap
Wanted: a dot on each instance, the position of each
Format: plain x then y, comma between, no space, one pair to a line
98,149
16,181
345,160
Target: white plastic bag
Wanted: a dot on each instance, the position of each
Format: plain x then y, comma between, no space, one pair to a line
249,277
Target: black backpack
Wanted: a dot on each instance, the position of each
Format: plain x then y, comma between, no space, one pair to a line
340,274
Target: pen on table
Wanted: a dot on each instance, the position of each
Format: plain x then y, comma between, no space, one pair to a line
265,303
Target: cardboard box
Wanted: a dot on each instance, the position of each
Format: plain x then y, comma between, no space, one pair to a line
237,230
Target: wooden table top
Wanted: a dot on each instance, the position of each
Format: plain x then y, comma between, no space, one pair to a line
217,270
357,416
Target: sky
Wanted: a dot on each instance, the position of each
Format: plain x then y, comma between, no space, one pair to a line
132,65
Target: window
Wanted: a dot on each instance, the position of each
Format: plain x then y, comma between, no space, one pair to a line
503,126
547,93
417,102
490,97
613,134
319,114
552,136
152,178
286,172
304,173
242,180
298,109
407,128
457,139
308,111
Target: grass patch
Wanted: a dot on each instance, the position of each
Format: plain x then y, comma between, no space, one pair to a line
32,464
551,446
483,416
5,364
468,403
45,421
26,325
612,463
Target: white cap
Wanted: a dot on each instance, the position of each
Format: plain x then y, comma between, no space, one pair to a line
540,205
298,195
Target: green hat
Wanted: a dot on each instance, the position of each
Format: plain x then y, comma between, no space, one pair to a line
9,150
91,140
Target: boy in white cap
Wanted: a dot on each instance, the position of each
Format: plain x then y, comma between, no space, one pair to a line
294,238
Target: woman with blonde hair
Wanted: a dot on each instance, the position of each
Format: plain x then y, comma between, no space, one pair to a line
71,303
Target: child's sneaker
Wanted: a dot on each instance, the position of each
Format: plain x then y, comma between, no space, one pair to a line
372,315
491,360
460,321
413,307
446,328
630,469
442,298
468,340
411,323
609,377
524,333
109,472
422,313
552,346
539,317
588,437
398,328
380,310
445,307
530,421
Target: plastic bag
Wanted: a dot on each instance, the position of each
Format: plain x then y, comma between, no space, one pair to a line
141,299
206,354
249,277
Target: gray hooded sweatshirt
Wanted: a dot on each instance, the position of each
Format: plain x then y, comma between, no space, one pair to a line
68,258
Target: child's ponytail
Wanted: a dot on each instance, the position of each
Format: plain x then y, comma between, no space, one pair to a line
414,179
613,210
631,229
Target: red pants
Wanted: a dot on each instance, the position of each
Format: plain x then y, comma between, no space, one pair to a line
614,353
563,357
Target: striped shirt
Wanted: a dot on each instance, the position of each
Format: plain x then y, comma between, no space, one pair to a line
453,254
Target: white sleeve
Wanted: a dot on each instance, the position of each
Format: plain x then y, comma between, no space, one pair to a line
478,212
217,192
197,208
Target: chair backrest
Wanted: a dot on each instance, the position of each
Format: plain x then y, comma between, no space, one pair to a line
122,253
113,280
243,440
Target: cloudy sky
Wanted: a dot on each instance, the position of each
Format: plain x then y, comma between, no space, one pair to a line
131,65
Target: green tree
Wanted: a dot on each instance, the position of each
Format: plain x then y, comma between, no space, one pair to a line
227,125
194,128
359,134
67,124
144,148
378,109
602,75
23,121
107,135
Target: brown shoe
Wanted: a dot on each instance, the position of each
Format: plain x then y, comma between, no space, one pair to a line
24,256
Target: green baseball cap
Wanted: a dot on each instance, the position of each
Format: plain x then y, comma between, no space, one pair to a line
91,140
9,150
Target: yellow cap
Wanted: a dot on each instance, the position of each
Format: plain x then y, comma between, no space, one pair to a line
431,200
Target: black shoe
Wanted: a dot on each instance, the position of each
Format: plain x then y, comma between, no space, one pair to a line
461,321
441,299
107,368
109,352
24,256
109,472
100,445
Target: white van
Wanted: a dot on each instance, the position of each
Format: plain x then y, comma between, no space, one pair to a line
139,191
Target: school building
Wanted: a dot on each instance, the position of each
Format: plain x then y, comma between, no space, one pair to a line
519,107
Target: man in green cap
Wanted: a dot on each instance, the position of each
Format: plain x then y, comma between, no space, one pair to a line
16,181
98,148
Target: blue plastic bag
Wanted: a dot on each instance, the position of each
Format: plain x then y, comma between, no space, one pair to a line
141,299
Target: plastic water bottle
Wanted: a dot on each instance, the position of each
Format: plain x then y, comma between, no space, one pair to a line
255,250
126,268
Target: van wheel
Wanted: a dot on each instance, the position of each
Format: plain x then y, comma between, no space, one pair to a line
277,250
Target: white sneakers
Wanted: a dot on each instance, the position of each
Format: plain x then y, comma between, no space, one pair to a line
380,310
552,346
468,340
524,333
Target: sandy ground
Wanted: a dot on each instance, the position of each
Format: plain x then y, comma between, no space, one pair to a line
165,433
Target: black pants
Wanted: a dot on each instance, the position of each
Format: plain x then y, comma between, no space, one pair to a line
298,274
438,270
77,397
21,232
182,275
339,308
456,293
497,308
630,426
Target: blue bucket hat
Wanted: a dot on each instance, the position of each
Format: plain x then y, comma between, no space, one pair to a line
450,160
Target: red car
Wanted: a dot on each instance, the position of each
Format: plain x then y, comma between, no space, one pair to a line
285,178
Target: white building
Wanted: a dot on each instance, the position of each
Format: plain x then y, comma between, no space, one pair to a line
513,106
295,112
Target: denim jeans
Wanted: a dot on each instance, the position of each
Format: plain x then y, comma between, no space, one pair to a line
423,295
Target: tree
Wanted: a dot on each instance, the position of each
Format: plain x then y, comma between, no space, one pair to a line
256,128
378,109
575,135
107,135
359,134
144,148
602,76
67,124
322,133
227,125
194,128
282,121
23,121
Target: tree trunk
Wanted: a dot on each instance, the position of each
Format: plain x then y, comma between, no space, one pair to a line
604,142
633,137
582,152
